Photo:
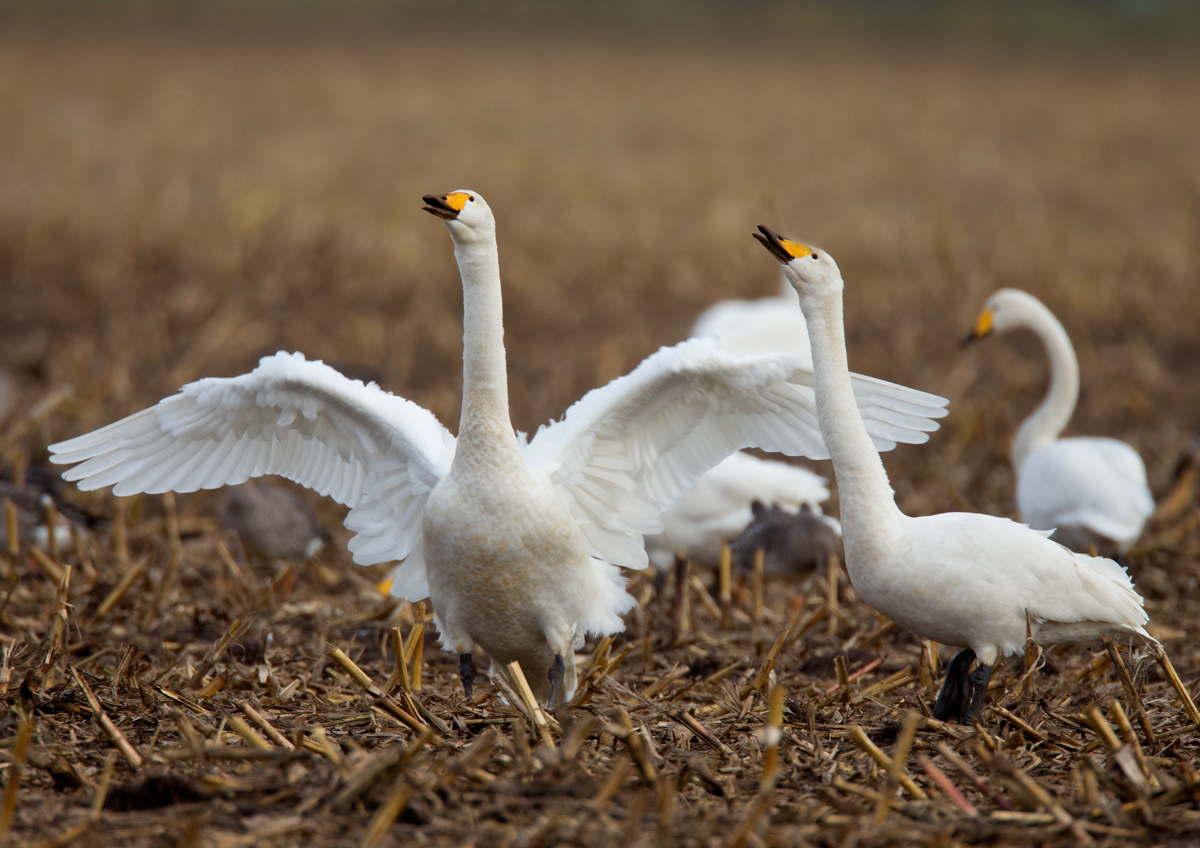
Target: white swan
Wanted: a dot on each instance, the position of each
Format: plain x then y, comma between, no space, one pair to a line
973,581
718,507
764,325
1092,490
515,542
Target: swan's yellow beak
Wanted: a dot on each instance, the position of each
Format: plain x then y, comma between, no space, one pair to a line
983,328
446,206
783,249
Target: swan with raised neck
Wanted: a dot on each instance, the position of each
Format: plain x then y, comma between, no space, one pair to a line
520,543
871,521
491,527
976,582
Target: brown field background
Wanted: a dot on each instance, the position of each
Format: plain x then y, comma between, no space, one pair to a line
175,206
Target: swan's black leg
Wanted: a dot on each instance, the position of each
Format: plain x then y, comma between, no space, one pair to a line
466,670
952,700
556,679
980,677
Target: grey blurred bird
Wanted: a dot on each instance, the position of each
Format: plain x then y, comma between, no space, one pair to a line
273,522
794,544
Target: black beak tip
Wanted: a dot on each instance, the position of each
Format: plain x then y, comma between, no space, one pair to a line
436,205
971,337
770,241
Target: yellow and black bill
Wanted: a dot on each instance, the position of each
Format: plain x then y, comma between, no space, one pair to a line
446,206
783,249
982,329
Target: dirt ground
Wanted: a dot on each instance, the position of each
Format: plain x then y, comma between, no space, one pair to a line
176,206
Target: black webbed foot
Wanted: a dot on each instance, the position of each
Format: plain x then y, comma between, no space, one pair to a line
466,670
980,677
952,701
557,671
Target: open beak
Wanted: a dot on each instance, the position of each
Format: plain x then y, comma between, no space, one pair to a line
783,249
982,329
445,206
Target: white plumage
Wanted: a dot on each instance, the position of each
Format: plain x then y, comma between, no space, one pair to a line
516,543
973,581
1082,487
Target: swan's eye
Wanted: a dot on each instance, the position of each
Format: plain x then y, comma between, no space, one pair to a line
471,198
814,256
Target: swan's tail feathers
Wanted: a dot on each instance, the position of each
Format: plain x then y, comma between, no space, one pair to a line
1111,569
1114,587
1147,639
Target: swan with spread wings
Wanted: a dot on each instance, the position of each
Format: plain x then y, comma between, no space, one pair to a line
519,543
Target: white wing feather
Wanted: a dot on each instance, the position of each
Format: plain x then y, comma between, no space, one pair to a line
377,453
626,451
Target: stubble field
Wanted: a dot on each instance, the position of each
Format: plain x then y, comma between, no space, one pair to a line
175,206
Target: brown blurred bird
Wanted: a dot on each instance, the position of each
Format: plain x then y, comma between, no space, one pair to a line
794,544
273,522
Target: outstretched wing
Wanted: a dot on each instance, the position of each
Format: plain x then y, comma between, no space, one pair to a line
298,419
626,451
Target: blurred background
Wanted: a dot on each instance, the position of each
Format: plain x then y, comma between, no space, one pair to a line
187,186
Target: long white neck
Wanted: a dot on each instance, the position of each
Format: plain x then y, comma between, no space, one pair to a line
869,515
485,421
1052,415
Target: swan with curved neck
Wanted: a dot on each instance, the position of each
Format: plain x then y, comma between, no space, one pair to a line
972,581
519,543
1091,491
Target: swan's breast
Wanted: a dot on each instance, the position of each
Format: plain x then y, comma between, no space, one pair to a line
501,558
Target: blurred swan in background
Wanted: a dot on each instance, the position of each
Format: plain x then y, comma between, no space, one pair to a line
1091,491
516,541
31,498
977,582
764,325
